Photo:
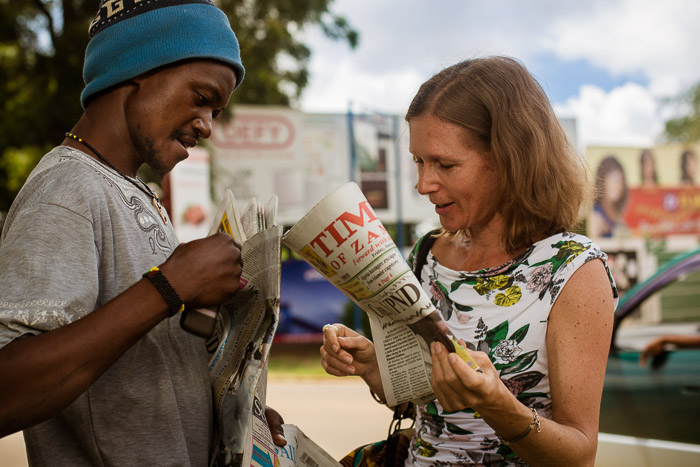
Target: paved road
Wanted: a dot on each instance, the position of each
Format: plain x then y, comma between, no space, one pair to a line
337,413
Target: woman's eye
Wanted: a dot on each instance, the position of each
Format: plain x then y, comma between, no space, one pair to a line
446,166
417,161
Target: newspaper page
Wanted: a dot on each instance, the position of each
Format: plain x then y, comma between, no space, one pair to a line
302,451
240,346
243,332
342,238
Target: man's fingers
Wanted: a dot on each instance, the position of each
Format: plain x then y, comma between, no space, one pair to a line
274,422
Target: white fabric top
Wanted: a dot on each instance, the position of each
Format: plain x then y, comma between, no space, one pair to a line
502,311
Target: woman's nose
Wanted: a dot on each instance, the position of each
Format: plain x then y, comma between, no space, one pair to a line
427,182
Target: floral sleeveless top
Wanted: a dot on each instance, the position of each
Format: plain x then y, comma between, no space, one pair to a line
502,311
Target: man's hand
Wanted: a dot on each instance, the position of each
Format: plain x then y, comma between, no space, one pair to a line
274,422
205,272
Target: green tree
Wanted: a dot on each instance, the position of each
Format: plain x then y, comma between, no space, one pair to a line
685,128
42,45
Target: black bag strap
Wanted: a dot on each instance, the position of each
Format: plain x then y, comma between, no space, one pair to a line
424,247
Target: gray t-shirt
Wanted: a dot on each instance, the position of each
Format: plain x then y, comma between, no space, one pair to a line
76,236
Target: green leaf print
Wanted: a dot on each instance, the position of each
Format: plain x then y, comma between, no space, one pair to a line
454,429
566,252
520,334
466,281
508,455
510,298
431,409
496,334
463,307
524,362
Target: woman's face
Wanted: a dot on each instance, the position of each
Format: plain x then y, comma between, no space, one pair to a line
691,166
648,169
614,185
454,173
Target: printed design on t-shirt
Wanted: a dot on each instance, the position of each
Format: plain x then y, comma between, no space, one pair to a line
545,279
508,357
502,289
39,314
496,299
505,289
146,220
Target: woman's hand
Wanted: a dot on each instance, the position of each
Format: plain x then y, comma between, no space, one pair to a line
345,352
458,387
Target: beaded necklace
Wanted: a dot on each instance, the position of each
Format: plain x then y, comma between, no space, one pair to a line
147,190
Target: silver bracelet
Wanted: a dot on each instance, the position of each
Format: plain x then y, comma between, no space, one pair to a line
535,424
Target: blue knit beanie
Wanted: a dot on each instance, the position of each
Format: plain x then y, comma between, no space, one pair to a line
131,37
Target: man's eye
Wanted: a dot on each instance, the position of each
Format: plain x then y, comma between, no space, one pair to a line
202,99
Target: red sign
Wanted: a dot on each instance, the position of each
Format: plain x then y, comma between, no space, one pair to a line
260,132
663,211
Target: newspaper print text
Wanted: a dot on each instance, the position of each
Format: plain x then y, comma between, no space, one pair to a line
342,230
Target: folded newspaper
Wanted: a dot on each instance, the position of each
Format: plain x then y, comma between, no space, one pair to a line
344,240
240,336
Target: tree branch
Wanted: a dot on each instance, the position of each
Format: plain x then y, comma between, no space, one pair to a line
42,8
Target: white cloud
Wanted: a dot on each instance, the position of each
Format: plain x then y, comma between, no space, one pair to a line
655,38
389,92
626,116
402,43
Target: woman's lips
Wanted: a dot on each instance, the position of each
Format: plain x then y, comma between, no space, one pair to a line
443,208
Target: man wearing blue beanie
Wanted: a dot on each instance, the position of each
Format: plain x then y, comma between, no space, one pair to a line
95,367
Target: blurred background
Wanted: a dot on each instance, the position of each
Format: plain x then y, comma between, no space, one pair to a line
326,87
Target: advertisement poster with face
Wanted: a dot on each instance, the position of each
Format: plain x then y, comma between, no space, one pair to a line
651,192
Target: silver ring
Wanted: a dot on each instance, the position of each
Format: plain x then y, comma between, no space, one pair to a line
326,326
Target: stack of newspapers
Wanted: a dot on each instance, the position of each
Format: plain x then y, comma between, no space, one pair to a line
243,329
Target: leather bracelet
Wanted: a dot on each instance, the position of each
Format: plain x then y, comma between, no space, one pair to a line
163,286
535,424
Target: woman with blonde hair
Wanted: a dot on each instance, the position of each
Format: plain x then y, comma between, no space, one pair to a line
532,301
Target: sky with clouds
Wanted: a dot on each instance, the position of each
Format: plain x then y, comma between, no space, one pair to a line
607,63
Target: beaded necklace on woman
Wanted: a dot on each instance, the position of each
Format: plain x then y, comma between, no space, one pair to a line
145,188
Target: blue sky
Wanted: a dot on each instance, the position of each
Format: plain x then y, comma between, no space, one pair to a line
562,79
606,63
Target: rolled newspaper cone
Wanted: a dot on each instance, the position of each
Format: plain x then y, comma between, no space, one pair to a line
344,240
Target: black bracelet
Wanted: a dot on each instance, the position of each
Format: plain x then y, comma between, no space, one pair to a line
163,286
